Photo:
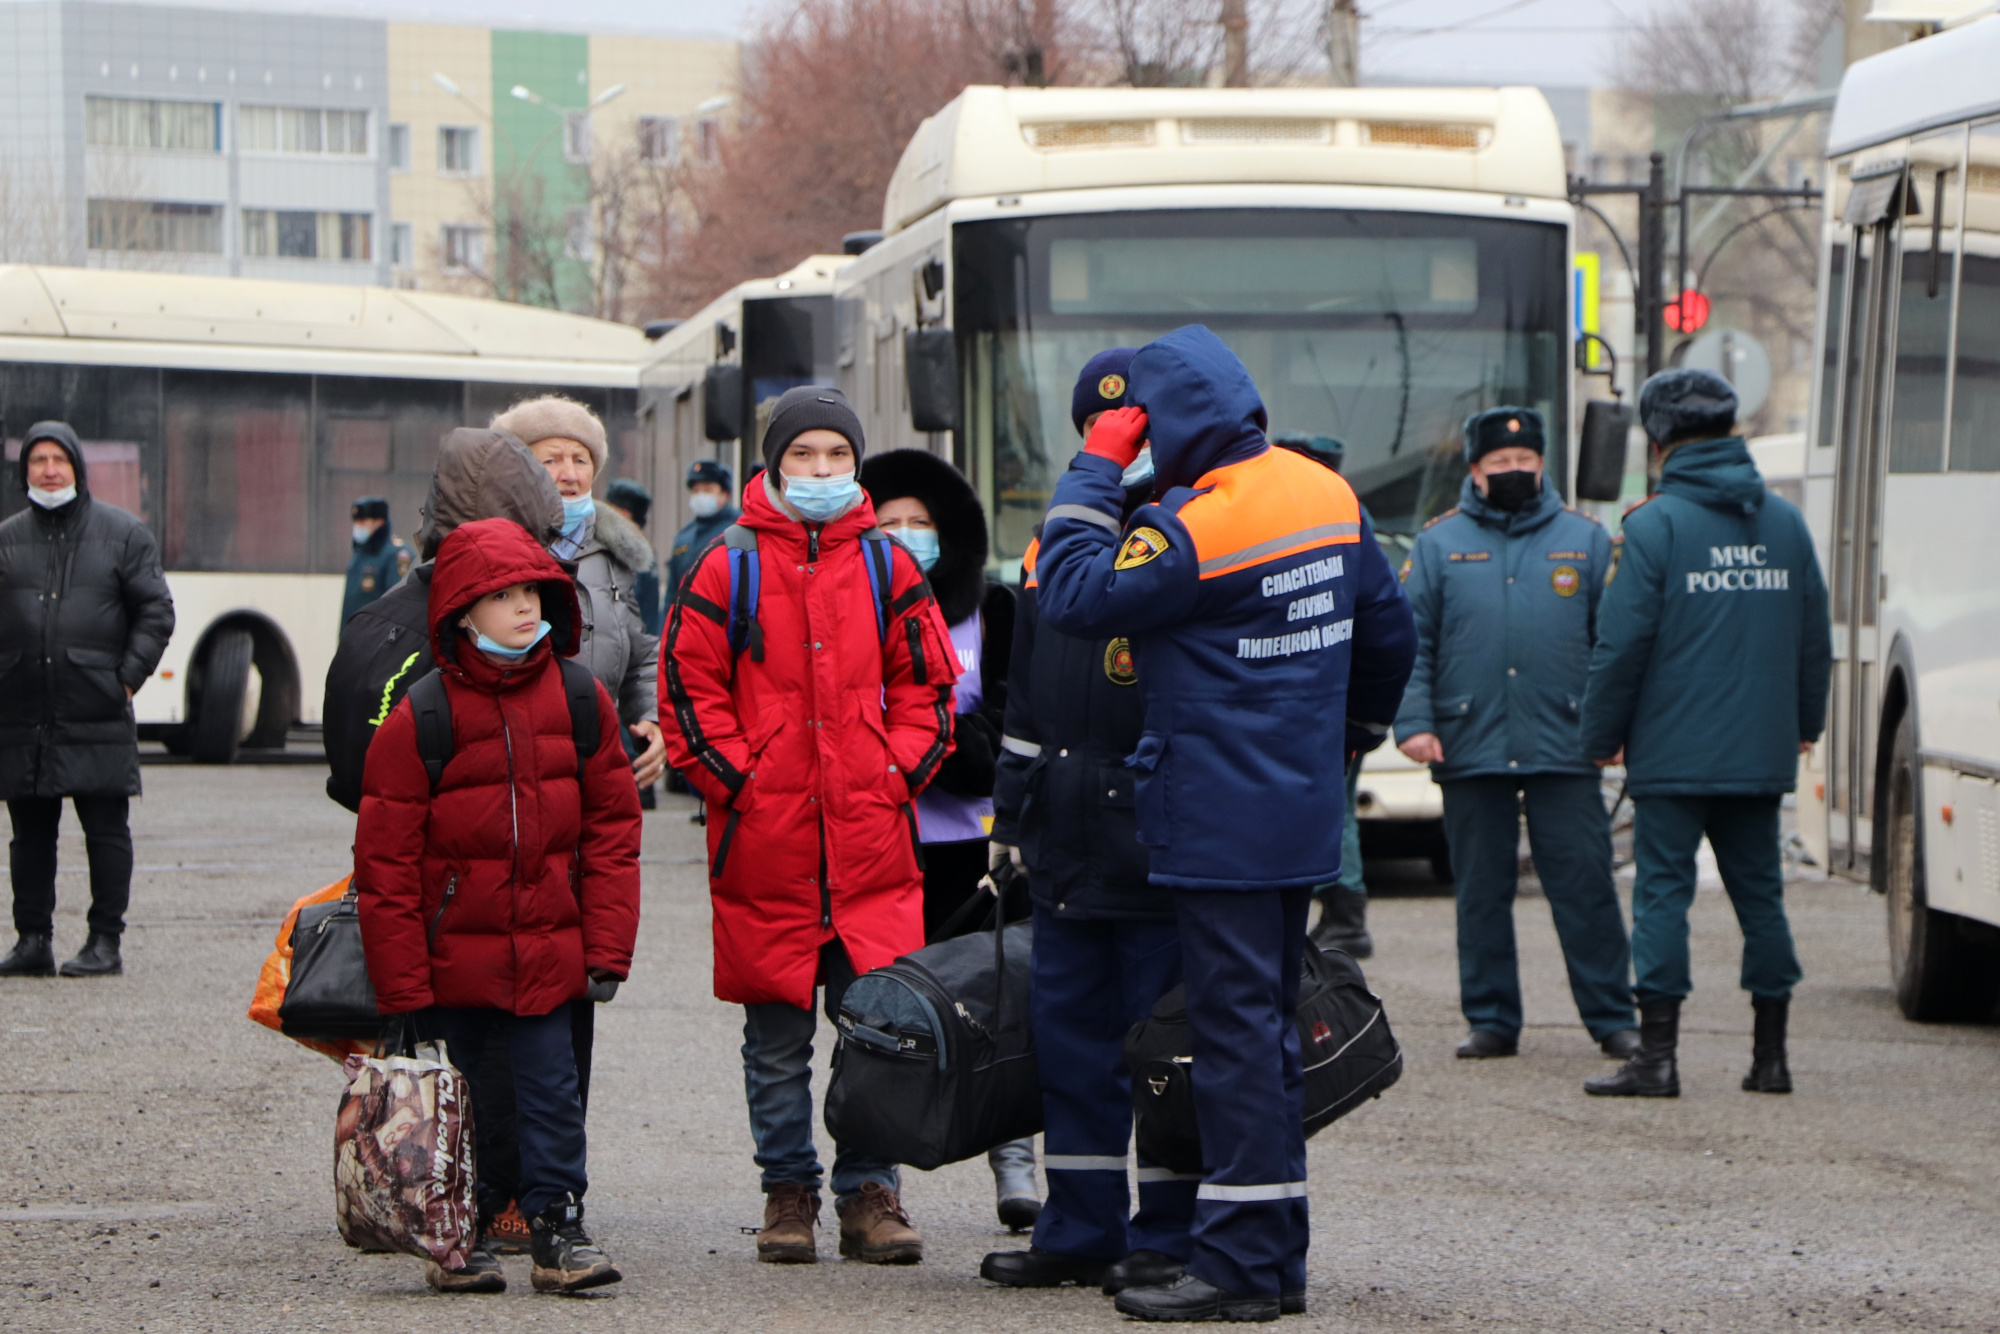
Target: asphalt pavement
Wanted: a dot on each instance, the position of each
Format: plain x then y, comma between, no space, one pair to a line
165,1164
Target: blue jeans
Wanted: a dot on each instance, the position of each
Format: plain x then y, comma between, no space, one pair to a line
548,1118
1666,832
777,1083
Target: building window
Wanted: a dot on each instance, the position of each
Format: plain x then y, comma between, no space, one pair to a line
283,234
576,233
399,148
155,227
706,135
458,150
124,122
576,136
464,249
302,130
660,140
402,246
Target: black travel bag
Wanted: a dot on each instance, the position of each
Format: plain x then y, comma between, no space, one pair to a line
329,995
936,1059
1349,1053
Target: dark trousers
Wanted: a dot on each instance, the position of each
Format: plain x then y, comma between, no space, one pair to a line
490,1072
1093,980
31,860
1569,834
548,1118
1666,832
1240,956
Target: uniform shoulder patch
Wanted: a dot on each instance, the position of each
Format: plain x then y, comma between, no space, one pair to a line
1140,546
1441,518
1404,574
404,558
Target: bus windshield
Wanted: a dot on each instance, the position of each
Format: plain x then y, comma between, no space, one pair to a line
1382,331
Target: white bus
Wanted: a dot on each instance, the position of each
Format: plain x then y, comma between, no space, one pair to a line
1386,261
708,383
240,418
1902,486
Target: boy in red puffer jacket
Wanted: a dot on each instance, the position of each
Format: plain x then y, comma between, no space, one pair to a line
495,898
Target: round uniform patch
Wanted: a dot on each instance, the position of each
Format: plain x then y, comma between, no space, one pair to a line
368,581
1118,663
1564,580
1141,545
1111,386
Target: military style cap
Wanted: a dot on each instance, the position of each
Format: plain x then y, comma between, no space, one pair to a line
708,470
1686,404
1503,428
371,507
1102,385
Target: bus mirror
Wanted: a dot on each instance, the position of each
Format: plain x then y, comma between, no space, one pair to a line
932,277
930,366
722,402
1600,456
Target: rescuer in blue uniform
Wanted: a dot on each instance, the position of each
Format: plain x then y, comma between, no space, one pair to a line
712,502
379,561
1106,946
1271,642
1505,590
1709,679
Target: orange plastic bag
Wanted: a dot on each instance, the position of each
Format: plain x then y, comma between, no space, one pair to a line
276,975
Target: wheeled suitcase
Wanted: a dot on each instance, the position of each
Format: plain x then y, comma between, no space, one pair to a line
1349,1053
936,1058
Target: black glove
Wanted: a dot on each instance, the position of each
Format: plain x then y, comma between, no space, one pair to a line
968,771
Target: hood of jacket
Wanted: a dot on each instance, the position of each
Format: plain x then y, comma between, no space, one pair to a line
623,539
61,433
958,580
484,474
1202,409
1716,473
1472,503
489,554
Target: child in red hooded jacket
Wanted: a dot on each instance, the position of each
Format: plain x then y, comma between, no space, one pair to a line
491,902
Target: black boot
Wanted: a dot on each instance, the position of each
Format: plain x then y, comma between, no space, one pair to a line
1343,923
32,956
1768,1071
566,1259
1037,1268
1652,1073
1187,1298
98,958
1142,1269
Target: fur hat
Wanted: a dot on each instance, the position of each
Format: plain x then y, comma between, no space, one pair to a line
958,580
1503,428
536,419
1686,404
370,507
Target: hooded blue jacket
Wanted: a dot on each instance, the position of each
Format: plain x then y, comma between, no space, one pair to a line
1506,606
1270,636
1713,645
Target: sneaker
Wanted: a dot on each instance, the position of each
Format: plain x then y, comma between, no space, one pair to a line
791,1212
566,1259
506,1232
875,1230
480,1273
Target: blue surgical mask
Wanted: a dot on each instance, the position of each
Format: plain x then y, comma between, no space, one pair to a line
576,509
819,499
362,532
485,645
1139,470
922,543
704,504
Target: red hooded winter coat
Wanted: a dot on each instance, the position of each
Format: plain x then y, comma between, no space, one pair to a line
811,758
500,891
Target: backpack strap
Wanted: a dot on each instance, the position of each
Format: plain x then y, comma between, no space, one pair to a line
745,580
432,708
876,556
581,689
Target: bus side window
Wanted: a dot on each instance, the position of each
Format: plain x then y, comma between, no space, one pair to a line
1975,412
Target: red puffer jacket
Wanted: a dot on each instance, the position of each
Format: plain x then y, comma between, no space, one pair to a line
811,758
501,890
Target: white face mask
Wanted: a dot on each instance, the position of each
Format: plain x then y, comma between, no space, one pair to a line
362,532
51,500
704,504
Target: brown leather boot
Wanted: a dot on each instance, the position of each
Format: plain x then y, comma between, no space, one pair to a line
791,1212
875,1230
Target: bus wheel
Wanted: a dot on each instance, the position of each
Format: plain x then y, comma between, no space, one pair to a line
1941,967
217,725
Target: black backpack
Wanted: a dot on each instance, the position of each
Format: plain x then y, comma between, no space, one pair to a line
1350,1057
936,1059
432,707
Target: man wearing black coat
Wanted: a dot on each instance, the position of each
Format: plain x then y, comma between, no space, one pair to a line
84,617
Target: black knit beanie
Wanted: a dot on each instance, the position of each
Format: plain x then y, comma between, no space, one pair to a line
811,407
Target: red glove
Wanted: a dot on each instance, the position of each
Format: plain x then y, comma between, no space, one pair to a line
1118,435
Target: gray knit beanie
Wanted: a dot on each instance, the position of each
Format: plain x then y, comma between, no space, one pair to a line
811,407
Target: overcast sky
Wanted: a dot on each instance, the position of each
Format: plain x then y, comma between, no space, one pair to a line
1547,42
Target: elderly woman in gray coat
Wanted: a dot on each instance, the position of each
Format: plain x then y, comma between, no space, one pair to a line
609,552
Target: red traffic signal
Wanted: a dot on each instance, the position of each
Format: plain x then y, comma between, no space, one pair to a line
1687,314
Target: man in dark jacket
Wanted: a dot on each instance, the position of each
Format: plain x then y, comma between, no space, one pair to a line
1271,642
379,561
1709,679
710,500
84,617
1505,591
1106,946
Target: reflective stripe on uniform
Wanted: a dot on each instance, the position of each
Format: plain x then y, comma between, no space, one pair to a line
1086,514
1017,746
1325,532
1150,1174
1082,1162
1283,1190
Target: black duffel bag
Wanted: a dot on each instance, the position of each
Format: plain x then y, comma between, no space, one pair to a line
329,995
1349,1053
936,1058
